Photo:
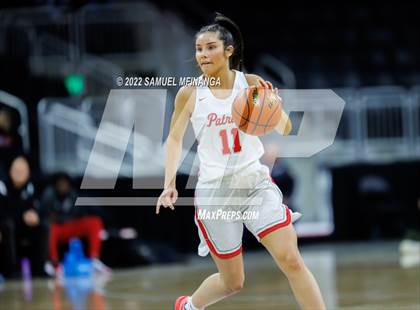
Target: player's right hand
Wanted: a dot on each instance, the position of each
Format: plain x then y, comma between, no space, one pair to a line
167,199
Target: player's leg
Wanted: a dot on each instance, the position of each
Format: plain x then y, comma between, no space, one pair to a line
274,230
223,239
228,281
282,245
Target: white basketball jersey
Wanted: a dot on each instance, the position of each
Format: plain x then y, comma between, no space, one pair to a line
223,149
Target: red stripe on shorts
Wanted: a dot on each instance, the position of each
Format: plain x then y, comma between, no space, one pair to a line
210,245
277,226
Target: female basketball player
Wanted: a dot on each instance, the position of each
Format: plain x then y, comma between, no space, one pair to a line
230,169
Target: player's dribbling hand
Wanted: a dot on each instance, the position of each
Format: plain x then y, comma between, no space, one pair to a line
269,85
167,199
265,84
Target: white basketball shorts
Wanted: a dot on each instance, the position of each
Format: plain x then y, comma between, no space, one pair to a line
222,207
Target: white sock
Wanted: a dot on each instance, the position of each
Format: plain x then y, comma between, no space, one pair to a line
189,305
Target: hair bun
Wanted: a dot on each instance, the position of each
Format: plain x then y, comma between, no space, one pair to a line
222,20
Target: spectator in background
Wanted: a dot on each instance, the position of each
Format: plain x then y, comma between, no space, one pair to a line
22,234
67,221
10,141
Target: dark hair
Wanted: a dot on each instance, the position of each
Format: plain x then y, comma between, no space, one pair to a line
230,34
61,175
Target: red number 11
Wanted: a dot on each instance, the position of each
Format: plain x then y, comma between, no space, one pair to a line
237,144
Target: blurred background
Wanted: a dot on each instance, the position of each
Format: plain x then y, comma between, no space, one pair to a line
60,59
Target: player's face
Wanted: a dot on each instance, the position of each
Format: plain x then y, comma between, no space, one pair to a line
210,53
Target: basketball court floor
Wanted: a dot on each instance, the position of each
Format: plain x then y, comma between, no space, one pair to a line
351,276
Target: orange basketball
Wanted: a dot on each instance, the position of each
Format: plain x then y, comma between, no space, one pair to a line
256,110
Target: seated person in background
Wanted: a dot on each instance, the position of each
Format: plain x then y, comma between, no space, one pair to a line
68,221
22,234
10,141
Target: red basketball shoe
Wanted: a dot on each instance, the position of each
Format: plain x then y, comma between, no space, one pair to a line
180,302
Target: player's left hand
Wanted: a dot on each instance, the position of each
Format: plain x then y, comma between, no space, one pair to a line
268,85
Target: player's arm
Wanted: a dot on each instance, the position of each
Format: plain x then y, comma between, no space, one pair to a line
178,126
284,127
179,122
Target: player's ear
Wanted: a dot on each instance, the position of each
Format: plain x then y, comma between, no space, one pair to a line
229,50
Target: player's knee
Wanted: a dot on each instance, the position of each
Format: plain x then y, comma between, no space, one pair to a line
234,287
294,262
234,284
291,261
